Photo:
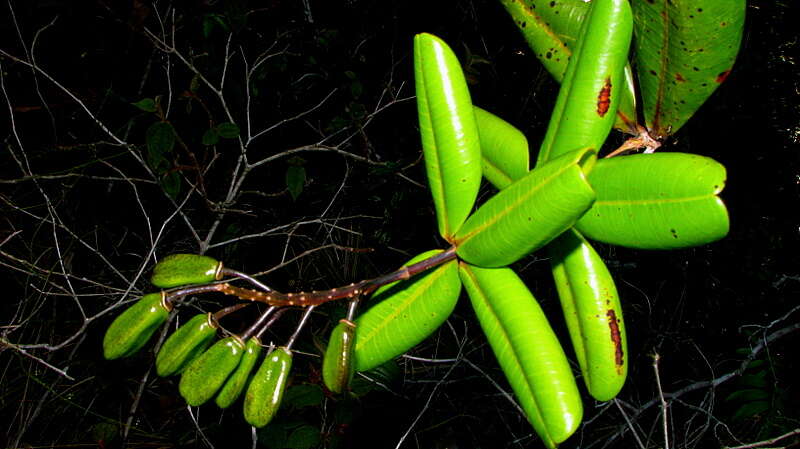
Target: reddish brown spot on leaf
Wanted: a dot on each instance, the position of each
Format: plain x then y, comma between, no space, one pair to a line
616,338
679,78
721,77
604,98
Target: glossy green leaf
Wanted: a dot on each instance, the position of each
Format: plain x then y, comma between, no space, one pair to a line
592,312
266,389
529,213
551,30
504,149
527,349
132,329
238,379
184,269
656,201
684,50
405,313
450,140
594,82
186,343
338,362
208,372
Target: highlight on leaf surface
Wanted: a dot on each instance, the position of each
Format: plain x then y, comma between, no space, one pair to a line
405,313
266,389
684,50
527,350
529,213
593,314
238,379
594,82
504,149
656,201
186,343
132,329
184,269
450,140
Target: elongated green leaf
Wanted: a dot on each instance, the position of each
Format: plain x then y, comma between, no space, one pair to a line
684,50
551,29
656,201
504,149
405,313
527,349
450,139
593,314
529,213
592,86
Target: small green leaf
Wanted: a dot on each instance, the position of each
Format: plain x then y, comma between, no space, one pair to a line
751,410
747,395
529,213
684,50
656,201
304,437
146,105
160,140
405,313
303,395
295,180
228,130
504,149
210,137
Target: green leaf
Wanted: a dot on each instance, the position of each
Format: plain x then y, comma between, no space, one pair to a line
210,137
304,437
684,50
656,201
747,395
295,180
551,29
593,314
529,213
504,149
228,130
751,410
450,140
172,184
592,86
303,395
146,105
405,313
527,349
160,140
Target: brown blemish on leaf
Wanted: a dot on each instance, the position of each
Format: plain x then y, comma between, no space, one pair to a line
616,338
679,78
604,98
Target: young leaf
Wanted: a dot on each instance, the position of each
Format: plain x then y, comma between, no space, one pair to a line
210,137
684,50
592,312
529,213
504,149
656,201
551,30
405,313
593,84
160,140
228,130
450,140
146,105
527,349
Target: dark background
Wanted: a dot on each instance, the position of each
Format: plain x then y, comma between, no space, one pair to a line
702,310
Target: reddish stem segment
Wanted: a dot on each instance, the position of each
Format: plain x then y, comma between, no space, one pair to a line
314,298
